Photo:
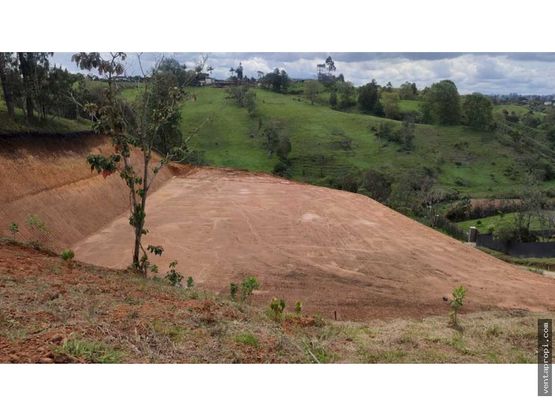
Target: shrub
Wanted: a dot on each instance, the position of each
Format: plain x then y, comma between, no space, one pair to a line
68,254
248,285
298,307
277,306
38,228
174,276
281,169
190,282
233,289
456,303
14,229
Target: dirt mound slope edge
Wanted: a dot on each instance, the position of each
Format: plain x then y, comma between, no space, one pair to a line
334,251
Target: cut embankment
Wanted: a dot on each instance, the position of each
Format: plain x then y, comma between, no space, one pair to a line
48,177
334,251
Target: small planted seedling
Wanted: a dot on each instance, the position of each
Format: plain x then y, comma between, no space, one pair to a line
277,307
38,229
298,308
174,276
68,254
456,303
248,285
14,229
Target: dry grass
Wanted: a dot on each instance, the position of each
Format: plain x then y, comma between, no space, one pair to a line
53,312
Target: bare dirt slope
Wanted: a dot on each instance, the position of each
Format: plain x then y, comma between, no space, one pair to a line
332,250
49,177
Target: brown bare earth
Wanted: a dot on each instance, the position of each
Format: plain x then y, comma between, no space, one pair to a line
336,252
332,250
49,177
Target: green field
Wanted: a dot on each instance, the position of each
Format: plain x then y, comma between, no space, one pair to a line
483,224
409,105
462,159
517,109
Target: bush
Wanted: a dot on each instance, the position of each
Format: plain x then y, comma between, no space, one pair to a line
277,306
190,282
298,307
376,185
174,276
68,254
281,169
248,285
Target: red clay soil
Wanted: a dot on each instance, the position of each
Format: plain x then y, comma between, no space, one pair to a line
334,251
49,177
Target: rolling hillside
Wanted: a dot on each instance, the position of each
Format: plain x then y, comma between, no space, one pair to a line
474,163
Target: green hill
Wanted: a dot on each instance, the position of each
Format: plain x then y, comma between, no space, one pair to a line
328,143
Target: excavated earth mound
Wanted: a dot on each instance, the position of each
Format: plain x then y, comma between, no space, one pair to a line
48,177
338,253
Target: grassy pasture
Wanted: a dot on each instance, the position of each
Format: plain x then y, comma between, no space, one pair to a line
462,159
483,224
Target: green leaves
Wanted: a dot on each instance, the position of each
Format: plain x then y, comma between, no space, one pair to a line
248,285
156,250
277,307
102,164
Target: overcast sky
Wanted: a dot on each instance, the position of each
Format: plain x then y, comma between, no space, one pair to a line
489,73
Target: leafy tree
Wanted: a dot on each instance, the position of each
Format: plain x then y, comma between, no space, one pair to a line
245,97
346,93
478,111
133,128
376,185
312,89
391,107
442,104
277,81
239,71
408,91
369,97
325,72
330,64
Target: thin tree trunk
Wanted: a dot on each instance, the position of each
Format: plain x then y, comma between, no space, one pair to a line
8,97
25,67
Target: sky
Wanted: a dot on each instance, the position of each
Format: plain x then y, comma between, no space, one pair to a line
488,73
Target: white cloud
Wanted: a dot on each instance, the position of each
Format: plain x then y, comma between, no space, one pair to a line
490,73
